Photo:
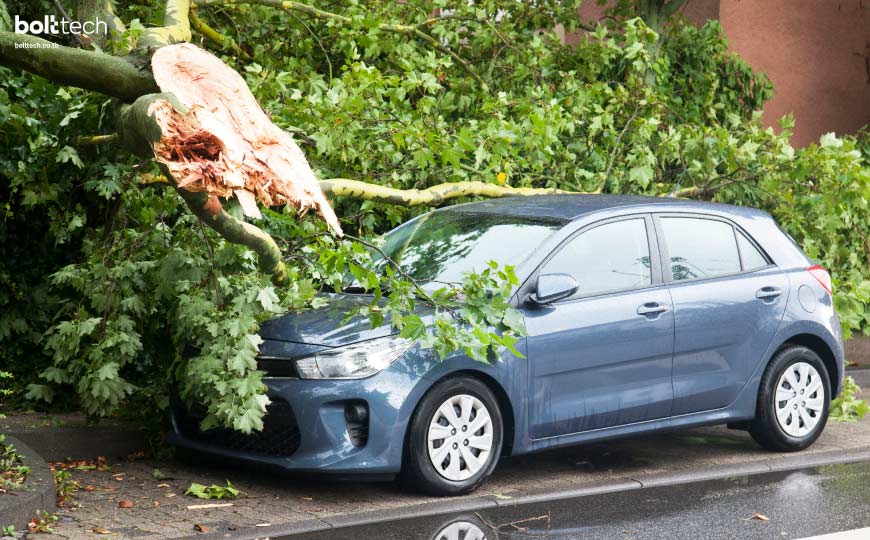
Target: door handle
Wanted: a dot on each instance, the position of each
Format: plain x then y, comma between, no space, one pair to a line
768,293
651,308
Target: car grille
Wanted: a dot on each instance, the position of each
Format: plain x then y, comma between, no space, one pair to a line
279,438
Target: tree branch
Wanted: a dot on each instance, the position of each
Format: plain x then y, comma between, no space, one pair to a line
90,70
96,140
213,35
434,195
208,208
175,29
321,14
139,130
63,15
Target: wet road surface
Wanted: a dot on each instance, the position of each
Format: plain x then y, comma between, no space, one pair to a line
786,505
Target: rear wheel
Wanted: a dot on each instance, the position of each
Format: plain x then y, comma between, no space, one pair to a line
455,438
793,401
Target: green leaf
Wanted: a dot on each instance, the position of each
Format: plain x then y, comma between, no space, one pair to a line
68,154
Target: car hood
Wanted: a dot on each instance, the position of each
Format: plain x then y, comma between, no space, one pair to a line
326,326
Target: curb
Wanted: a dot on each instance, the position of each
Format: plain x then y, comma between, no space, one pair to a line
18,507
81,442
789,462
861,377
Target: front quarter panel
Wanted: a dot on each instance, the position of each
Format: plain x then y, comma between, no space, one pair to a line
507,376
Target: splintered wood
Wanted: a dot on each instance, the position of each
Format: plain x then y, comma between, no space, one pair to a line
225,144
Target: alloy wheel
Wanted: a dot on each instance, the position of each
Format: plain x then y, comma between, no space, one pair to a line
461,530
460,437
799,400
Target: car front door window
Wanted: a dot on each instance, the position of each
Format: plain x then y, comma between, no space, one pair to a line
611,257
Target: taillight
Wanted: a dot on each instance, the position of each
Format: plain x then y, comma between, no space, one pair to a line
823,277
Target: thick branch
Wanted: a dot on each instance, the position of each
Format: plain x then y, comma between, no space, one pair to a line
175,29
96,71
431,196
140,129
208,208
414,31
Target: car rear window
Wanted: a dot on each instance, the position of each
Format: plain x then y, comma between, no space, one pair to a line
749,254
700,248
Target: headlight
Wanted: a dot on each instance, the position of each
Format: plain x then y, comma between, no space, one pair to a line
354,361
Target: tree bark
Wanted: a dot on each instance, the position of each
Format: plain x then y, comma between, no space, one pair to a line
142,126
434,195
175,29
656,14
102,10
90,70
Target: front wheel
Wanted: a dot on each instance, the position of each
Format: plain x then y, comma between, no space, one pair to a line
793,401
454,440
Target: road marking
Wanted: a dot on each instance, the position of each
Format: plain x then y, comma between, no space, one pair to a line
857,534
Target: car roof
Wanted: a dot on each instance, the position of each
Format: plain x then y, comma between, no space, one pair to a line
568,207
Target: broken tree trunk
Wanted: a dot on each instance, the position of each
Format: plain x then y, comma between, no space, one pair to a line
225,144
212,140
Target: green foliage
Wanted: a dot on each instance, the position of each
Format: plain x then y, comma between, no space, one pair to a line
5,20
12,473
42,523
112,293
847,407
213,491
7,530
65,486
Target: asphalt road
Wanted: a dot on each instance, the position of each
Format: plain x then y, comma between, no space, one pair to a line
786,505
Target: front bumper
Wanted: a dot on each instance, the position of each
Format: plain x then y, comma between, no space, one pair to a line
326,442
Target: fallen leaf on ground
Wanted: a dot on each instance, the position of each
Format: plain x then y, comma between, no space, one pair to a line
125,504
89,488
307,498
262,524
209,505
163,485
760,517
200,528
100,530
213,491
501,497
157,474
169,495
140,454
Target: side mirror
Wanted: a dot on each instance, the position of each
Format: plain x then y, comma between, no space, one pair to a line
552,287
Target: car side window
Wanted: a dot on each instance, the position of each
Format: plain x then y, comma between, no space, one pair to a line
749,254
610,257
700,248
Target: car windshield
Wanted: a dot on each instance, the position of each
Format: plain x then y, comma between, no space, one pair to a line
440,247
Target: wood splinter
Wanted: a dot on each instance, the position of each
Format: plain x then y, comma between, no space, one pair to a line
224,144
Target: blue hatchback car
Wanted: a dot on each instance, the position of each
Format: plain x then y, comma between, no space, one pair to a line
643,314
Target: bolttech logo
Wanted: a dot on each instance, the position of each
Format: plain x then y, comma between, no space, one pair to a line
51,25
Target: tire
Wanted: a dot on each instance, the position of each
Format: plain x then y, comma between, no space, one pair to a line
469,399
786,423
